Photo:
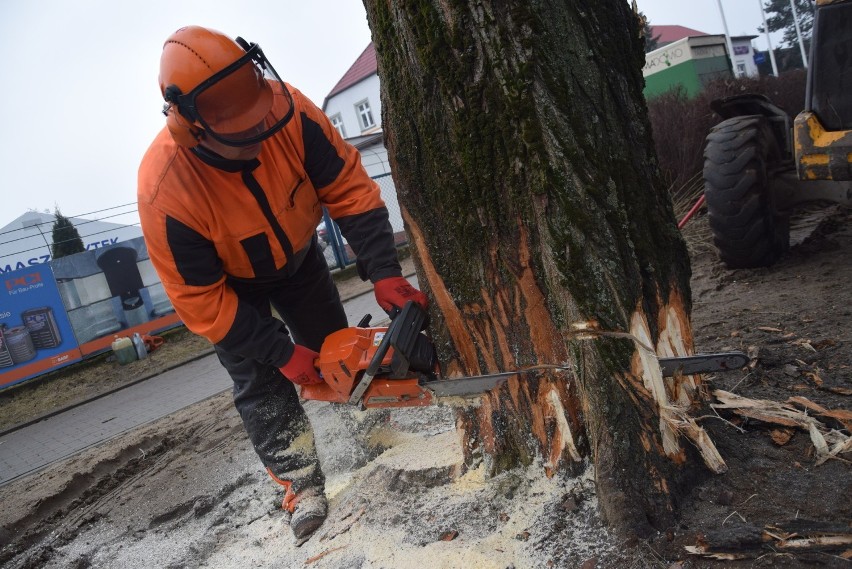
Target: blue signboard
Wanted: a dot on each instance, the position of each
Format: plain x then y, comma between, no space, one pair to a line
35,334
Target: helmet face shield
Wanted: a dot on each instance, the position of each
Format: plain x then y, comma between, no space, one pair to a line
243,104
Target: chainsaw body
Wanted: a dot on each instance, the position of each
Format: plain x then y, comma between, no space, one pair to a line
384,366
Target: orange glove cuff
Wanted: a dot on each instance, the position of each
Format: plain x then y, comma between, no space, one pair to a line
300,367
394,292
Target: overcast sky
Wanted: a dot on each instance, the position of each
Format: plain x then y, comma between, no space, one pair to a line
80,103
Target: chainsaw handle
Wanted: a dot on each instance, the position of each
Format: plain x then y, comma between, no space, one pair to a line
381,351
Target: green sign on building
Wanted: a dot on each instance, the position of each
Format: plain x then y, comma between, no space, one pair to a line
690,63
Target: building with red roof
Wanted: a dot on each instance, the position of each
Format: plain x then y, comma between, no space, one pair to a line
669,34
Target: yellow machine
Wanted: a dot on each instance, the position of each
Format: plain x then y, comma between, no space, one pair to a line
759,164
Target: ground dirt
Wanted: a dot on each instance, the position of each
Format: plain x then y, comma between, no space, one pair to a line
188,491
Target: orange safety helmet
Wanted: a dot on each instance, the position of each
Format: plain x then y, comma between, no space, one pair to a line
220,87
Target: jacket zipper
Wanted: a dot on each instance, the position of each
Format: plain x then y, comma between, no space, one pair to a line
260,196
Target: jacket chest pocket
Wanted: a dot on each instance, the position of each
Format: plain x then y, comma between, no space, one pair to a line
301,212
302,197
259,252
299,190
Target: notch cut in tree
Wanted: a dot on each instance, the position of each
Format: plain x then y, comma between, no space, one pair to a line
66,239
523,160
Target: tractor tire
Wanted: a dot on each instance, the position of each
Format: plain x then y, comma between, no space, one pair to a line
747,229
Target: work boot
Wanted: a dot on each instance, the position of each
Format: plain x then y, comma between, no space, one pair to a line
307,509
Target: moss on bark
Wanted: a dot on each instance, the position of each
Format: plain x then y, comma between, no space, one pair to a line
520,145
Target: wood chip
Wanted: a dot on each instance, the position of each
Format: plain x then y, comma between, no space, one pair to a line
449,535
807,404
319,556
823,542
827,343
769,329
768,417
753,353
842,447
839,414
839,390
814,377
692,550
819,444
781,436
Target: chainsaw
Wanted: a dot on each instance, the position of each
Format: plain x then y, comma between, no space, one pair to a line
396,366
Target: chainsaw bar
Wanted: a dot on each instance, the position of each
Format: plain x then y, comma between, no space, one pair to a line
686,365
463,386
703,363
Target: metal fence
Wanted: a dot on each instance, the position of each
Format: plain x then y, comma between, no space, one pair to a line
337,252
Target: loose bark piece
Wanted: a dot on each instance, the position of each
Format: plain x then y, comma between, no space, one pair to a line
693,550
842,415
808,404
781,436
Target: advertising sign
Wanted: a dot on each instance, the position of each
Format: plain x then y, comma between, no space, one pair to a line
112,291
35,334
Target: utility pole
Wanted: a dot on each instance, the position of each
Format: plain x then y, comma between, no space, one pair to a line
799,33
728,40
768,40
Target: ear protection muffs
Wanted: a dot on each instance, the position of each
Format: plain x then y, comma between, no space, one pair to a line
183,131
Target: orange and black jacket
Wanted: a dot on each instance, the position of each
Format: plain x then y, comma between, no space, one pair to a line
209,222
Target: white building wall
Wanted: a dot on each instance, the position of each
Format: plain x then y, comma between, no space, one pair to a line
344,104
744,56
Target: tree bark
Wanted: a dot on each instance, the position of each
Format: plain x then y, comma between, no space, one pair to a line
522,155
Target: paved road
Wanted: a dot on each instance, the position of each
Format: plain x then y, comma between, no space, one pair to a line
34,447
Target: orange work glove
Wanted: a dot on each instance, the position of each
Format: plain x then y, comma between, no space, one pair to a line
300,367
393,292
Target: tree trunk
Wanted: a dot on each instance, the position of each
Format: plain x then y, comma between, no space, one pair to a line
522,155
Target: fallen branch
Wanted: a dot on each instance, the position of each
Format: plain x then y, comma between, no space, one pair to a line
797,536
828,442
319,556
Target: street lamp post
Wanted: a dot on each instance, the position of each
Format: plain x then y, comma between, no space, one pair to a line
768,40
799,33
728,40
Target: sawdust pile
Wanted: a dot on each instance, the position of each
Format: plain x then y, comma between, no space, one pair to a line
205,501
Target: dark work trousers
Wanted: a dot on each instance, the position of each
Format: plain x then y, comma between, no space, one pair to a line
268,403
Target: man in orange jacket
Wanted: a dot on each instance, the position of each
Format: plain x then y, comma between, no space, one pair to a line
230,194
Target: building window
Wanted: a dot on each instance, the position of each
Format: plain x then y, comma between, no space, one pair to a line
365,115
741,68
337,123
